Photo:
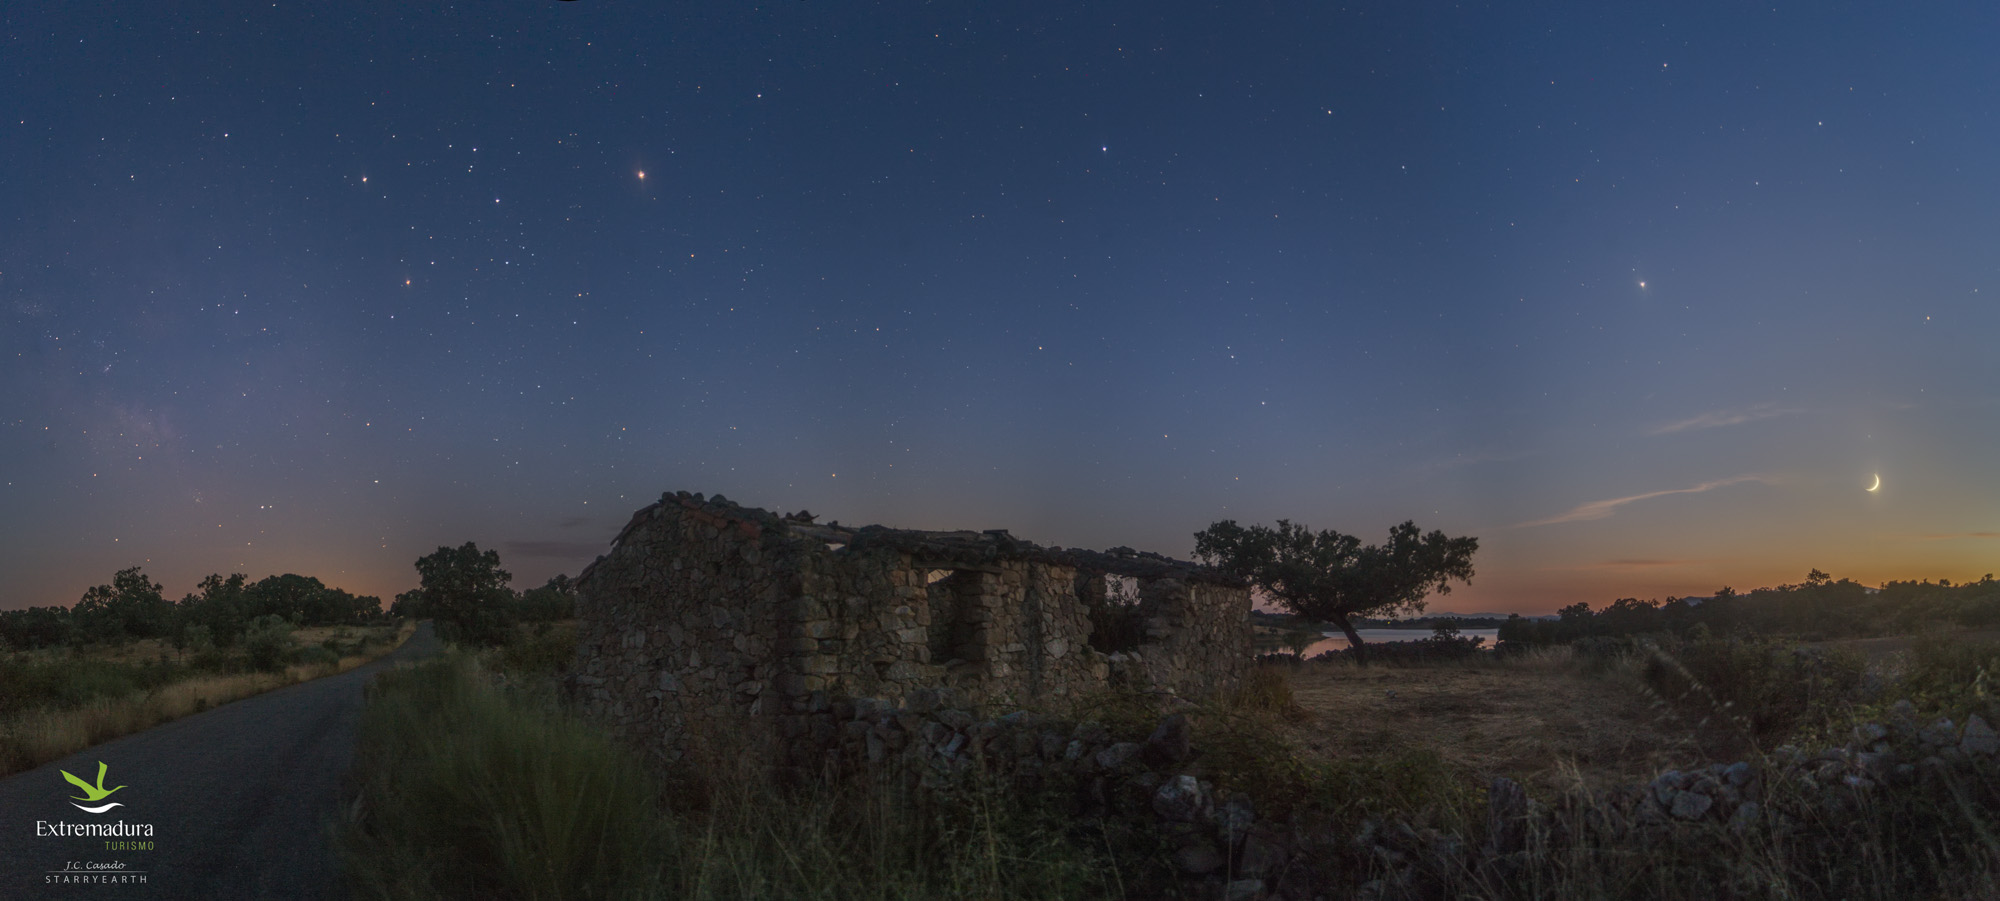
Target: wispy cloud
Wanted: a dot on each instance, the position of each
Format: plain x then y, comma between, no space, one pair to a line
1942,536
1720,418
1602,509
565,549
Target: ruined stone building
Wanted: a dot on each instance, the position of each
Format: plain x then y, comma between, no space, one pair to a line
707,611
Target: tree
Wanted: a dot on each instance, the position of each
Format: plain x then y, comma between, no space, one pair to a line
555,600
465,591
129,607
35,627
410,604
291,596
223,606
1329,577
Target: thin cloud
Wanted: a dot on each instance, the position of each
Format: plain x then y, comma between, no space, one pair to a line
564,549
1602,509
1720,418
1942,536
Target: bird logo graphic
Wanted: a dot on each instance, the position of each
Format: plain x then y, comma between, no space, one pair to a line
92,792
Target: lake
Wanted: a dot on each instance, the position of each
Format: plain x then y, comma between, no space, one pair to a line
1334,641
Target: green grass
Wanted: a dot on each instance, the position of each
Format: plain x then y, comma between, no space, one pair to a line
467,791
471,790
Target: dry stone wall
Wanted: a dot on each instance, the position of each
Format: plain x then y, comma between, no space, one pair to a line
709,615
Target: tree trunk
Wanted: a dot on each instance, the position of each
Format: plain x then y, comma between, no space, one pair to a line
1353,638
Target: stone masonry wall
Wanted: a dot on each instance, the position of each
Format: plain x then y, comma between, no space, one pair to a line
707,615
650,668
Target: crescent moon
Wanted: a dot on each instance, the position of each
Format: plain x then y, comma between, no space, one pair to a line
1878,482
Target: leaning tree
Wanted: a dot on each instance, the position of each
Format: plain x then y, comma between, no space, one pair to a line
1330,577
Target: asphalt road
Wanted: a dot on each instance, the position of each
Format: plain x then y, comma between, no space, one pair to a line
240,800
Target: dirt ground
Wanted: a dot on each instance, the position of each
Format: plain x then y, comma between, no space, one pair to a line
1537,720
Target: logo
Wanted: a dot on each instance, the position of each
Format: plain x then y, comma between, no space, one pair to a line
91,792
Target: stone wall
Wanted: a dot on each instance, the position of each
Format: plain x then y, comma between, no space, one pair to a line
706,615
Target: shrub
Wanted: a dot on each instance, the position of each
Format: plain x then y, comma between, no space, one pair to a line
1597,654
1266,688
1950,677
269,642
542,651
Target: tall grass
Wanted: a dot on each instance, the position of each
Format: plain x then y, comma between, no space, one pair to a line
467,789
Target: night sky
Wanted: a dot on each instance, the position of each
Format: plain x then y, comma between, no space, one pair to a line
1645,296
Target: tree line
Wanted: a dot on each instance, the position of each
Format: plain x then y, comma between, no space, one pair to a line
218,612
463,588
1819,607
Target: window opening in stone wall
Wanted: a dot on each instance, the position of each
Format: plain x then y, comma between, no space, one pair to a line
1117,623
951,592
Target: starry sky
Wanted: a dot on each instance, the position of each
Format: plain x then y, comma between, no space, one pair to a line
1643,295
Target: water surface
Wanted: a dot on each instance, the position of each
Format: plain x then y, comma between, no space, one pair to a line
1335,641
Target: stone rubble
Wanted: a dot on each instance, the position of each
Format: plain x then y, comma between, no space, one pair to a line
1735,796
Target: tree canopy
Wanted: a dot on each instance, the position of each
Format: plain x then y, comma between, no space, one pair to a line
465,591
1330,577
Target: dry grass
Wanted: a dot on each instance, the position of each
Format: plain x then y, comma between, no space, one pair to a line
37,737
1536,718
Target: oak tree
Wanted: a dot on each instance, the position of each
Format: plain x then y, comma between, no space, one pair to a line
1331,577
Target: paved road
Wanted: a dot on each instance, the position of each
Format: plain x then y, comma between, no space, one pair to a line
239,798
